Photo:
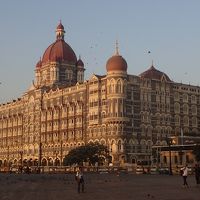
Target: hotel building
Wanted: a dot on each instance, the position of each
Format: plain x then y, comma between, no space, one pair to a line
127,113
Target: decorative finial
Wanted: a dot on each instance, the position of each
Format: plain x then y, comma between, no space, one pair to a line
152,63
79,57
60,32
117,48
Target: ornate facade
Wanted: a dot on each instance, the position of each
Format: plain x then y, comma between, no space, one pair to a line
61,110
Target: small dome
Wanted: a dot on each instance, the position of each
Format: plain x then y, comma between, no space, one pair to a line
116,63
39,64
153,73
60,26
80,63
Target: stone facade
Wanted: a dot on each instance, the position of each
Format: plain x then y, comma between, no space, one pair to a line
127,113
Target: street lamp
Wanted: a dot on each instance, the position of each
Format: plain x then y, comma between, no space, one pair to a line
169,143
21,157
61,153
40,154
56,160
8,156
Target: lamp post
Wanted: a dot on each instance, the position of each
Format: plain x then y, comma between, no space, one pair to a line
169,143
61,153
8,156
21,157
40,154
56,160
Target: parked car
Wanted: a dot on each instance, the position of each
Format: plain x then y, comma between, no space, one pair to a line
154,170
140,170
13,170
103,170
163,170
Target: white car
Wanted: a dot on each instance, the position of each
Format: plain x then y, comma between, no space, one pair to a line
139,170
103,170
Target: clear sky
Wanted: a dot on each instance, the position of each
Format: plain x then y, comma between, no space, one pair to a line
170,29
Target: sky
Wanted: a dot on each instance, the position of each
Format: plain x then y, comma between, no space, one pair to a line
169,29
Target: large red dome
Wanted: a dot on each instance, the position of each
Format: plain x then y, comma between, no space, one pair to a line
59,51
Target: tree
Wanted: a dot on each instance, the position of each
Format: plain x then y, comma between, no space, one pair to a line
196,152
92,153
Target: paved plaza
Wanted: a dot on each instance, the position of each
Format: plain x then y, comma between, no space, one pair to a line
97,187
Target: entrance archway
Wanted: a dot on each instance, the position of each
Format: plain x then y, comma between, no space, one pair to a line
57,162
44,162
50,162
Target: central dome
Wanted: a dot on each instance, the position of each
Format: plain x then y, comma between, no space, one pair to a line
59,51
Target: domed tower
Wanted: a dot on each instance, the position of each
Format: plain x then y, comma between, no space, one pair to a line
116,65
116,100
58,66
80,70
154,74
37,72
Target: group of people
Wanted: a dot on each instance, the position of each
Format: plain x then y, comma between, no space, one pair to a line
185,172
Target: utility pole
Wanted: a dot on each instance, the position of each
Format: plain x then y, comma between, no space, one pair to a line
169,142
21,157
61,153
40,154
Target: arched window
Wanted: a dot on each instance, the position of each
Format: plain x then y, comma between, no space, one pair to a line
194,109
185,130
177,120
177,108
186,120
110,89
158,119
193,99
119,145
119,87
194,121
185,98
177,131
176,96
103,114
185,108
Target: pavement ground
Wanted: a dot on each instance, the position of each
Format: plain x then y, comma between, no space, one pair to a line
97,187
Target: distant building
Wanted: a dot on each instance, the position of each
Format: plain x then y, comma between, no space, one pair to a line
179,149
61,111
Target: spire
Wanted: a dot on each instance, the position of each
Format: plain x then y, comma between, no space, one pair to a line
152,66
152,63
60,32
117,48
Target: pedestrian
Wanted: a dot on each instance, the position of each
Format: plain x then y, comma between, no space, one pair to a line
185,171
197,173
80,180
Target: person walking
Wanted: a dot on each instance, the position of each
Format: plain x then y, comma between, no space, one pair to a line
185,171
197,173
80,180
